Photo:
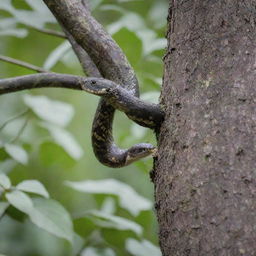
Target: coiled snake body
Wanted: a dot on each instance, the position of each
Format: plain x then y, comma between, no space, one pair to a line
112,65
114,96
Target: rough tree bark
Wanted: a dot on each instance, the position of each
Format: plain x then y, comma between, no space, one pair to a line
205,175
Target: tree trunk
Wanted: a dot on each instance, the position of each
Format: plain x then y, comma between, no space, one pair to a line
205,175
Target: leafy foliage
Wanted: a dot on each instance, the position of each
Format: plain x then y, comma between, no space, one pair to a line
128,198
45,139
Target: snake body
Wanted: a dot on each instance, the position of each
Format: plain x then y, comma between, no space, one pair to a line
114,97
113,65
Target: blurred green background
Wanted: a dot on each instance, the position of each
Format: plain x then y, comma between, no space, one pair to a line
45,136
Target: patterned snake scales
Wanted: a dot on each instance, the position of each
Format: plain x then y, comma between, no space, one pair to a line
119,89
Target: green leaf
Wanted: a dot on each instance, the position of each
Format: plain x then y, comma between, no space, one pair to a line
3,207
152,96
91,251
108,205
53,111
33,18
78,244
143,248
112,7
157,82
150,41
7,165
45,213
56,55
70,60
20,33
94,3
131,21
52,217
20,201
151,66
38,6
157,44
157,12
17,153
8,27
5,181
33,186
37,18
138,131
125,39
114,222
65,139
6,5
128,198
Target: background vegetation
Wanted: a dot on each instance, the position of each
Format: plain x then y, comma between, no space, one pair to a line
55,197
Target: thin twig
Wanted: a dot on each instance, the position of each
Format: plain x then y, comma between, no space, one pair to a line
48,31
22,64
20,131
13,118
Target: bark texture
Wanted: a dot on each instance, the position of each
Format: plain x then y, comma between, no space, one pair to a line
205,175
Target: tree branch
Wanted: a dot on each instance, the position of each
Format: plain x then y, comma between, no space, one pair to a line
13,140
86,62
22,64
90,35
2,126
93,85
48,31
113,93
44,80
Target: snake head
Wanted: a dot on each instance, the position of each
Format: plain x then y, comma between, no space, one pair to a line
97,86
139,151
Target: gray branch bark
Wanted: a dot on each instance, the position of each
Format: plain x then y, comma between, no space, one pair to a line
90,35
89,67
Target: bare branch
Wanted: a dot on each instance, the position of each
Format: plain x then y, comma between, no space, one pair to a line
44,80
86,62
21,130
93,85
2,126
22,64
114,94
91,36
48,31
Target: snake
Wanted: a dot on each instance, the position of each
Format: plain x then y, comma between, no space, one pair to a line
147,114
120,89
